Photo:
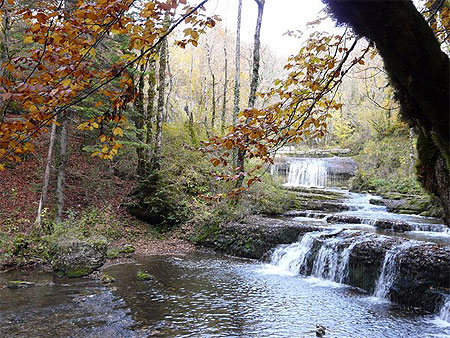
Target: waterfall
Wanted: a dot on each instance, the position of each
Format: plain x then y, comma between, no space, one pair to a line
445,311
308,172
343,268
331,261
389,270
326,262
292,258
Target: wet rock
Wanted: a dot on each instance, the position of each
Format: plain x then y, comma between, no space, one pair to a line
393,225
324,206
423,276
320,330
300,213
366,260
76,258
126,249
254,236
343,219
403,204
377,201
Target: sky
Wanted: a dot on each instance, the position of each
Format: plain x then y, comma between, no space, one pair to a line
279,16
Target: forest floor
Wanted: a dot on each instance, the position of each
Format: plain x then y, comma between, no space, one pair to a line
95,197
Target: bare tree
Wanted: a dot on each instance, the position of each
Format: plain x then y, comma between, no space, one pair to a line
254,84
225,84
44,192
161,102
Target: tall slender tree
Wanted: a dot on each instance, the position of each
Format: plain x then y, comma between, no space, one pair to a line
160,104
254,82
225,83
237,76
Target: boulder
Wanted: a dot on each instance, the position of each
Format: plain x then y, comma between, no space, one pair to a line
77,258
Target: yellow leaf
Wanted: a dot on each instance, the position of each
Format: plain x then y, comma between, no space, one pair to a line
66,82
28,39
103,138
118,131
2,167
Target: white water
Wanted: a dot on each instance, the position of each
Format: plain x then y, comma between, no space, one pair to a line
445,311
291,259
308,172
331,261
389,270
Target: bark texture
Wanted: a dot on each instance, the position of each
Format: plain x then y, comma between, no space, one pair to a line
160,108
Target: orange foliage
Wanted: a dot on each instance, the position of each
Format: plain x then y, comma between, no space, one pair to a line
60,67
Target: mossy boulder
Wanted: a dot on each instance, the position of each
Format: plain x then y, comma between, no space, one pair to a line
127,249
107,279
76,258
18,284
143,276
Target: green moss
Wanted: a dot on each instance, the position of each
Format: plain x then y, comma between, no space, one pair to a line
112,253
107,279
79,272
127,249
16,284
143,275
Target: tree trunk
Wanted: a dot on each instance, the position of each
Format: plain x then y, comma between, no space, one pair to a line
254,84
189,96
160,108
167,116
139,117
237,78
151,95
48,166
4,51
62,166
213,79
419,72
225,87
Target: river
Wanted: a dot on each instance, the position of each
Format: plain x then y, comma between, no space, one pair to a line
203,294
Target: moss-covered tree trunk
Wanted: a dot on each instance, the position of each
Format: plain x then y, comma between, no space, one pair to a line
419,72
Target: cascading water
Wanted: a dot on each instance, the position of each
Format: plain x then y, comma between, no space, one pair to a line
326,262
314,172
343,267
308,172
331,261
445,311
389,270
292,258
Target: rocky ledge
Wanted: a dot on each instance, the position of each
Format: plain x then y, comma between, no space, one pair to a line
252,237
421,270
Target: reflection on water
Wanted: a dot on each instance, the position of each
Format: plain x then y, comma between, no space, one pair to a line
201,295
